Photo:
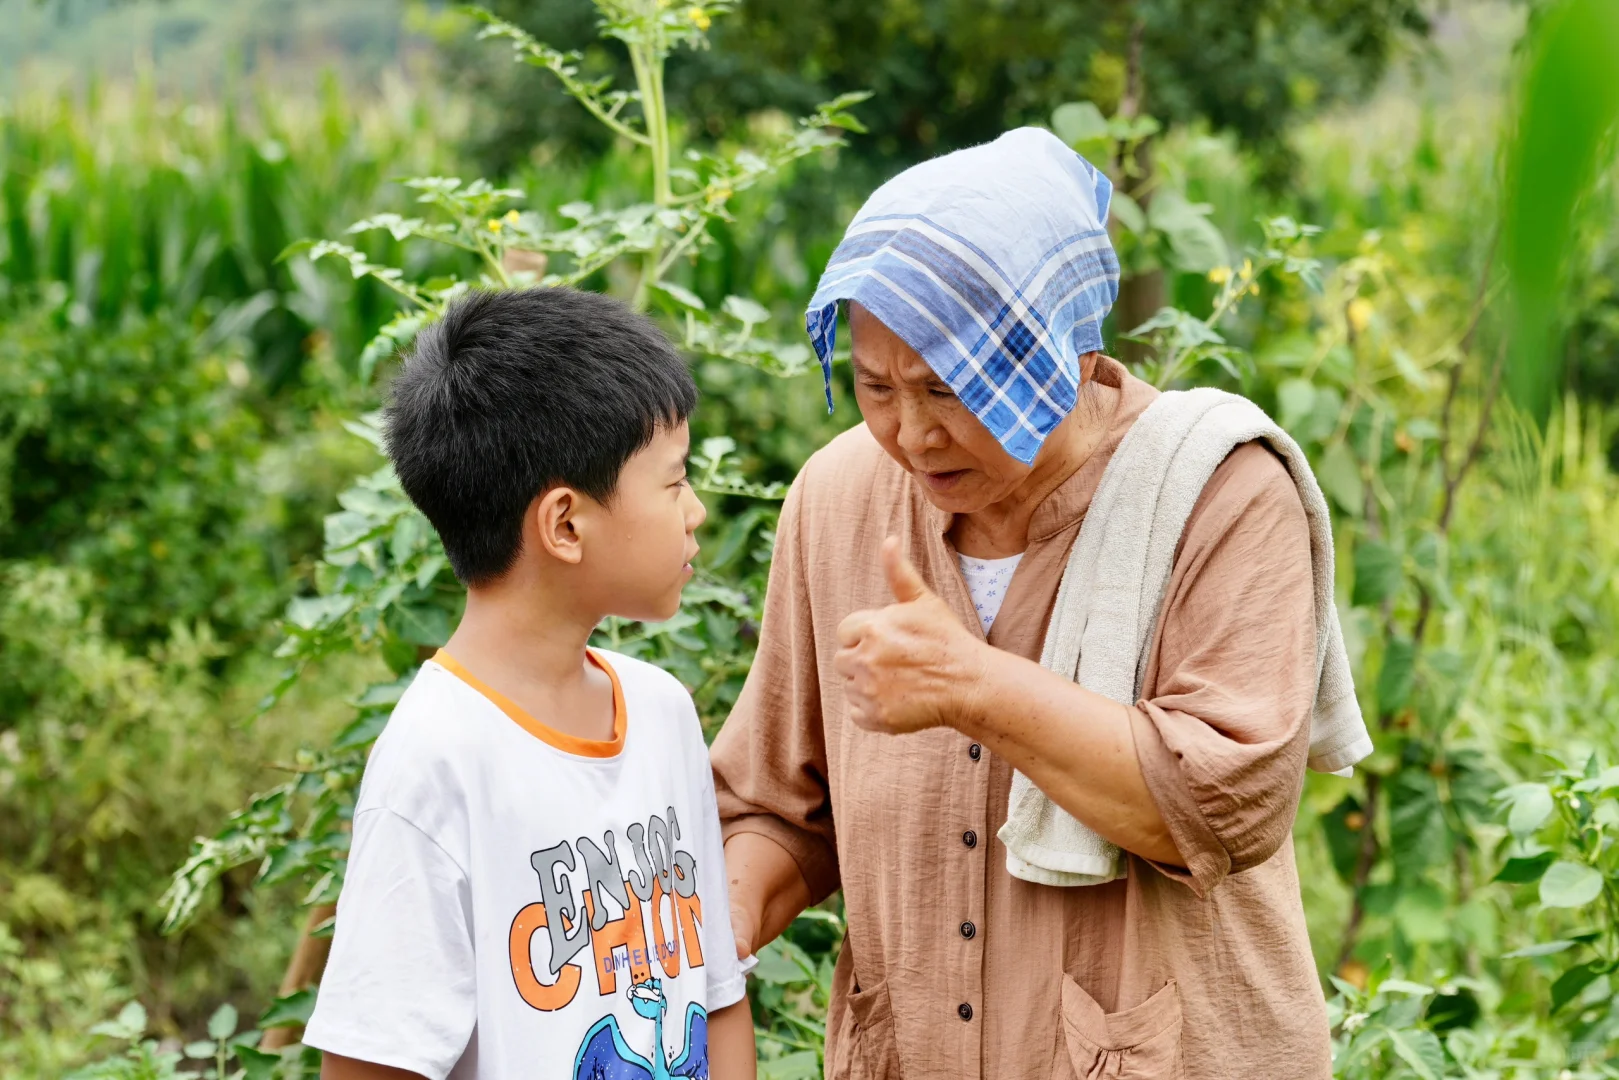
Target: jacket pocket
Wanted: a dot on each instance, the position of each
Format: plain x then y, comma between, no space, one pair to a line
865,1048
1143,1043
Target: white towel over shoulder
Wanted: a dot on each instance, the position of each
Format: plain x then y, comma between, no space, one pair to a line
1113,590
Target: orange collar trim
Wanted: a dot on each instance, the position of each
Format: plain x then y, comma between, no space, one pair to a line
568,744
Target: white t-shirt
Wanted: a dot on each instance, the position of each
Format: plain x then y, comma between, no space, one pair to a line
987,580
523,903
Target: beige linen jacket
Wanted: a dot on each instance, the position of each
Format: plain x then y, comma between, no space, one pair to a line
952,967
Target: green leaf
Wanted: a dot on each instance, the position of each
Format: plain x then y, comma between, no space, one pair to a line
420,624
1378,573
346,528
1422,912
1530,810
1559,148
1295,400
1421,1050
802,1065
1078,122
1403,986
199,1050
1572,982
1196,246
293,1009
1544,948
745,311
1339,476
1345,828
297,247
1520,870
1569,885
1607,778
683,297
314,612
257,1064
384,693
361,731
1127,212
783,962
130,1023
1398,671
222,1025
1417,830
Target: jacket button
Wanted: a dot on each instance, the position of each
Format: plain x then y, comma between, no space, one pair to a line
975,751
968,930
969,838
965,1011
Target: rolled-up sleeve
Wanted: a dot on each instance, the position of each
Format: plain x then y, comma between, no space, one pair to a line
1223,731
770,771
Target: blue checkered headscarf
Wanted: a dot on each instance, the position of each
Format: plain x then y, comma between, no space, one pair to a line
994,264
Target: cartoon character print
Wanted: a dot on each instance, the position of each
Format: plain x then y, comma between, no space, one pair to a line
604,1055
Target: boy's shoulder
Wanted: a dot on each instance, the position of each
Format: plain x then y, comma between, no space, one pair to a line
650,691
435,727
647,677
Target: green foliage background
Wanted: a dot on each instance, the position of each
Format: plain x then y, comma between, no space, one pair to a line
211,591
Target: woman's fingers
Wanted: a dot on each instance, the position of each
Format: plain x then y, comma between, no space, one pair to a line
854,627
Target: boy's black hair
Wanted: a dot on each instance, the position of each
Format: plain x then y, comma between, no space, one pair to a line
513,393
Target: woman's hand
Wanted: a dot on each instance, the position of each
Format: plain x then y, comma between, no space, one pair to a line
910,665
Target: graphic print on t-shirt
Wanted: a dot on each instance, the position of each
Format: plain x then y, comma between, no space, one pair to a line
605,1055
628,917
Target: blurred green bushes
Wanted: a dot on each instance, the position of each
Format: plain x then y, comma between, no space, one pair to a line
169,437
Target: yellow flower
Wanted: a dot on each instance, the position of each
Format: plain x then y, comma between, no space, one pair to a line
1220,275
494,224
1359,313
513,216
700,17
1247,268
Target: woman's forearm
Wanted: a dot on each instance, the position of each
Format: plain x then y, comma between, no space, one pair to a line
767,890
1075,745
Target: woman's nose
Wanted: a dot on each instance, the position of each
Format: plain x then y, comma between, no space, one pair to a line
918,431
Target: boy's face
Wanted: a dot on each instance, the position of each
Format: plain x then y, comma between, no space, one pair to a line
642,555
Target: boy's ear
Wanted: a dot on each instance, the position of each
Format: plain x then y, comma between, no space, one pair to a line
554,516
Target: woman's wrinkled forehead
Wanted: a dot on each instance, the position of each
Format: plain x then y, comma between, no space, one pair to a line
876,351
994,265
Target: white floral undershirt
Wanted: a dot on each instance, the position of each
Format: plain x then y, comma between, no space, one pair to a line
987,581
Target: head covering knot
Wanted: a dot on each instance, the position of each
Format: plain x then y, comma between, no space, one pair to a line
994,264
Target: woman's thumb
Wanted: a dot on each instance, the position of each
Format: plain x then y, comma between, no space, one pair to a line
742,930
903,579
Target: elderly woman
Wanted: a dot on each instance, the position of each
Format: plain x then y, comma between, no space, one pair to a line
896,700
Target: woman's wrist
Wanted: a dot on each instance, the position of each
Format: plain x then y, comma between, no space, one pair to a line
976,674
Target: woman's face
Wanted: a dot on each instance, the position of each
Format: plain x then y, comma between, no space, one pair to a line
924,426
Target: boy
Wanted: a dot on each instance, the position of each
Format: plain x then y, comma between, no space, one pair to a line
536,886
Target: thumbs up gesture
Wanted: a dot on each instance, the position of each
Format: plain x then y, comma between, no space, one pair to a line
910,665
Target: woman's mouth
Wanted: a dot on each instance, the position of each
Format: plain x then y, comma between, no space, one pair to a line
943,481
